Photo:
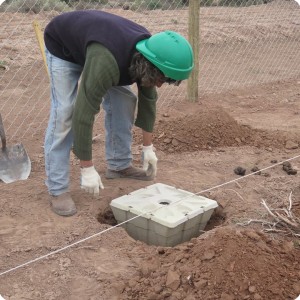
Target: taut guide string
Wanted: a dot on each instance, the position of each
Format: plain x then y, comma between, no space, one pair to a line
120,224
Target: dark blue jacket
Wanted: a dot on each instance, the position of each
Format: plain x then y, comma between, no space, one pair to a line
68,35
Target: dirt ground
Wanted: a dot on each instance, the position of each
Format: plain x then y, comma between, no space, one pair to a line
243,253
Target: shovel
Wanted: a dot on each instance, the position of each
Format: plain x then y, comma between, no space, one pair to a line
14,161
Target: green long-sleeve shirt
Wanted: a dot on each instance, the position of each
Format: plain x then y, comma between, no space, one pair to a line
100,73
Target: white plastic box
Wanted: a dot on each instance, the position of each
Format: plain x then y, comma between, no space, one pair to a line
163,215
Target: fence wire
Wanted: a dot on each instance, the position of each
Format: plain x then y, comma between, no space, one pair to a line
242,43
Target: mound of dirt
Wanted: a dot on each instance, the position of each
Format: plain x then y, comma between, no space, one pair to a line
225,263
210,128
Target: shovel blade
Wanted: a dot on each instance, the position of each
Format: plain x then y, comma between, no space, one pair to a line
14,163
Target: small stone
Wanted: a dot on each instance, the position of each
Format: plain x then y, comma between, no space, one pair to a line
240,171
209,254
158,289
173,280
160,250
175,142
291,172
252,289
290,145
287,167
255,170
201,284
252,235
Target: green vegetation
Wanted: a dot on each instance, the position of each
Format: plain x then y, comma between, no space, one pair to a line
155,4
3,65
241,2
37,6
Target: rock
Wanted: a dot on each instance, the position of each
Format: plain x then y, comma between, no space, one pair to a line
252,235
287,167
240,171
175,142
291,145
145,270
161,250
231,266
158,289
173,280
256,169
209,254
201,284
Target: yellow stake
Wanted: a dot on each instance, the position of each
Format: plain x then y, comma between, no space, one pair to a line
40,38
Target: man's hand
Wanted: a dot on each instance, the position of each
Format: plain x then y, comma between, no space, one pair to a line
90,180
149,157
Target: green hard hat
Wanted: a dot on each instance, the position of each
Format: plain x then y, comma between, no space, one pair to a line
170,52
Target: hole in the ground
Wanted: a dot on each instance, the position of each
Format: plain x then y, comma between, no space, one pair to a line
217,219
107,217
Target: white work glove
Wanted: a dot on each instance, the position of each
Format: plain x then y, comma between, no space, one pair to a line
149,157
90,180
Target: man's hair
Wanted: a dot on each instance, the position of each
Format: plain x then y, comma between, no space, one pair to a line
143,71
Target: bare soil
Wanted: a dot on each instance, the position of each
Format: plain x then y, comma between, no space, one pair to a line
241,254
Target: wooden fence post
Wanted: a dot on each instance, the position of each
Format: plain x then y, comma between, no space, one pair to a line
194,12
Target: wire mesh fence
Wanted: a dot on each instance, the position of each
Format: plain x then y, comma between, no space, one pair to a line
242,43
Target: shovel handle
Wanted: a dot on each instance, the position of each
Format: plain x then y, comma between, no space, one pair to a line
40,39
2,134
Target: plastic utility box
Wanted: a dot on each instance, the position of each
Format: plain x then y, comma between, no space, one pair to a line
163,215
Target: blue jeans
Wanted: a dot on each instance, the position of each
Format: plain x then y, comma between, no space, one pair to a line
119,104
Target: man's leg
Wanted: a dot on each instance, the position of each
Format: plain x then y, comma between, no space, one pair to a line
64,78
119,105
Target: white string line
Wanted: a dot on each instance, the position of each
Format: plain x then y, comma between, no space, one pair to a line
120,224
250,174
64,248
